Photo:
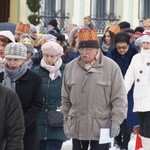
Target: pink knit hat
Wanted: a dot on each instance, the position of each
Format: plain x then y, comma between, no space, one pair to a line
52,48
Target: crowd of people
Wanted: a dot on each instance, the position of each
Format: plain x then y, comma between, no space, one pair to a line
95,83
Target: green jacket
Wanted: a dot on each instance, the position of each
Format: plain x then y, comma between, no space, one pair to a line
52,100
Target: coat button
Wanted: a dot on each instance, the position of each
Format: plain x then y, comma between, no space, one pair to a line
138,80
141,71
148,64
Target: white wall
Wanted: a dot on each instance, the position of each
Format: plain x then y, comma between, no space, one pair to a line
128,11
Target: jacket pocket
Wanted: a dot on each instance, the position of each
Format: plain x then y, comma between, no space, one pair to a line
72,123
100,119
104,90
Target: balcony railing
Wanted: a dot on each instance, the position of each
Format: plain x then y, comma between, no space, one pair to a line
62,20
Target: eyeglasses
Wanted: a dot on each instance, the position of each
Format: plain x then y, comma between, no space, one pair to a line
121,47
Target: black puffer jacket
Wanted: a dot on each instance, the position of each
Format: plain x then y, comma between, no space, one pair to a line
11,120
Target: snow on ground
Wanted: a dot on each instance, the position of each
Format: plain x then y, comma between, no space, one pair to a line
68,145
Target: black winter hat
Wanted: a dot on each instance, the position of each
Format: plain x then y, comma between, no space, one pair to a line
88,38
88,44
53,22
59,36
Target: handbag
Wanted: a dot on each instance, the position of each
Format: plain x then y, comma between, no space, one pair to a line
55,118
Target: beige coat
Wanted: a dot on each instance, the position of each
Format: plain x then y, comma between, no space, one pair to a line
92,98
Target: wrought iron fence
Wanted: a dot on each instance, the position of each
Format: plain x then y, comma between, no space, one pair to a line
101,23
62,20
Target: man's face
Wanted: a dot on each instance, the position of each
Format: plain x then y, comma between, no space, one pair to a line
18,35
33,35
122,48
88,55
50,27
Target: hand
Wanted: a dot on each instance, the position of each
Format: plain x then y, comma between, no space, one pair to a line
136,129
114,129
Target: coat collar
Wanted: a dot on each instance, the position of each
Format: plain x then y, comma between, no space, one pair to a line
25,77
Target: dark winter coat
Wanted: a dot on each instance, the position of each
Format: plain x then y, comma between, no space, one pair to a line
124,62
29,90
11,120
52,98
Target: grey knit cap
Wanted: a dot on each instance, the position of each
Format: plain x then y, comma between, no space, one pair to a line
16,51
30,47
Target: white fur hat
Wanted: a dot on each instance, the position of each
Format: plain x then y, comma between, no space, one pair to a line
8,34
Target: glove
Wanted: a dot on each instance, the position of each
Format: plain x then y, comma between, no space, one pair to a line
114,129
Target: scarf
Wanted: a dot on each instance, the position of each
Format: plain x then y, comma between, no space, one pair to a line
29,63
145,53
11,76
2,64
105,48
54,71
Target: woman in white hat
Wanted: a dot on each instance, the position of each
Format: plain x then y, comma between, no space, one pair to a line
139,74
27,85
5,38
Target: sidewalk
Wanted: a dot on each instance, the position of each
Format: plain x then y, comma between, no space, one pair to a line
68,145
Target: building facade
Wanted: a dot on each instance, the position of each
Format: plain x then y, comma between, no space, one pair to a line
102,12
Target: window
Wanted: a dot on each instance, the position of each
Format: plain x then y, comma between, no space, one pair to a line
102,13
144,11
103,8
53,9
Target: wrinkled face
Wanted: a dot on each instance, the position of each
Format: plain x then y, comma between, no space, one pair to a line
107,38
146,45
2,47
50,59
88,55
122,48
14,63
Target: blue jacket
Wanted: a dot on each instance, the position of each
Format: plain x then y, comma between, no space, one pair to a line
124,61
